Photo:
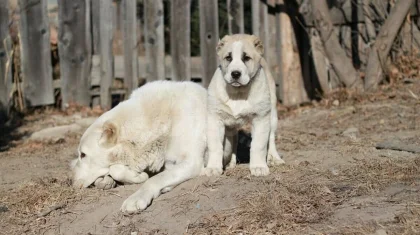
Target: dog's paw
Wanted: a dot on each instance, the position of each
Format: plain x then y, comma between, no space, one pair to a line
232,163
135,203
260,171
212,171
274,158
272,161
105,183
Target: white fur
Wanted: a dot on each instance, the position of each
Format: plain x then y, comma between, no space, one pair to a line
232,103
161,126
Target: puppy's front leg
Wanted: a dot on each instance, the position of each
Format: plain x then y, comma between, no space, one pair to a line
258,153
215,137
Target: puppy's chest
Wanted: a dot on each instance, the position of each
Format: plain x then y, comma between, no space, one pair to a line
238,112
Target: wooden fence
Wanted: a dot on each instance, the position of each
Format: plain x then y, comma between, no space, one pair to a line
91,72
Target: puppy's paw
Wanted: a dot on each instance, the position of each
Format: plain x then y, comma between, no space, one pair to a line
232,163
135,203
274,158
105,183
212,171
260,171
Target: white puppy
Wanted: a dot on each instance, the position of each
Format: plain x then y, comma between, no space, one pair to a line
241,91
160,128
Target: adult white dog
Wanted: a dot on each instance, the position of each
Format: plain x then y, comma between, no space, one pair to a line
241,91
160,128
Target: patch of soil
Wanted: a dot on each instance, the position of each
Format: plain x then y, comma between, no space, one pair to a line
334,182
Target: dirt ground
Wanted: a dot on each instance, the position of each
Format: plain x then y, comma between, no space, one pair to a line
334,182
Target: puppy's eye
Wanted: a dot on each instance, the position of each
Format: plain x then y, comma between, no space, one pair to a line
228,58
246,58
82,155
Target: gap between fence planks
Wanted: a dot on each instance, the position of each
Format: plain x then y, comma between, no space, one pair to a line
209,37
180,39
35,53
75,49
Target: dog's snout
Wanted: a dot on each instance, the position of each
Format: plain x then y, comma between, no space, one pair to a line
236,74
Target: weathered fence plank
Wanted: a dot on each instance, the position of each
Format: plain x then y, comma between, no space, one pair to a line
95,26
291,87
341,12
106,33
180,39
271,52
5,65
235,16
35,53
320,61
154,38
75,49
260,20
209,37
129,15
383,43
341,64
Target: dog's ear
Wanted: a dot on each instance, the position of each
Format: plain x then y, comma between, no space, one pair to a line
258,44
221,44
109,136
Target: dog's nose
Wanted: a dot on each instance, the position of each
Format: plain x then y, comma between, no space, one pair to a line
236,74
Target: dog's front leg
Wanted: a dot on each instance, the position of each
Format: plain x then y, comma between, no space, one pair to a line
258,153
215,137
125,175
160,183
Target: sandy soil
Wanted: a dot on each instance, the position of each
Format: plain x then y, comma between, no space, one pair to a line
335,180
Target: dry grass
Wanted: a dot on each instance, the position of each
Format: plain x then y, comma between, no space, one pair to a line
27,202
32,197
298,204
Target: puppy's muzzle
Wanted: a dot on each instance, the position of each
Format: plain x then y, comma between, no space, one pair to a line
236,74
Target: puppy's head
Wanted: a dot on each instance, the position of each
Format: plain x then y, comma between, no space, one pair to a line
239,57
94,153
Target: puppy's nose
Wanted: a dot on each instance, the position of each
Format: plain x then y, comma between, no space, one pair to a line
236,74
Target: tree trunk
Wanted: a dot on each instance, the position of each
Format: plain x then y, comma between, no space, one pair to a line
383,43
341,64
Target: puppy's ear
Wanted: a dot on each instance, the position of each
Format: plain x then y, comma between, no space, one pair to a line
221,43
258,44
109,136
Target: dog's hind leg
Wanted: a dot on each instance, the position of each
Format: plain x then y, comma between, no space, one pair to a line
273,157
230,149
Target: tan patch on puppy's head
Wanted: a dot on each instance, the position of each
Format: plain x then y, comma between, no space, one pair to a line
239,57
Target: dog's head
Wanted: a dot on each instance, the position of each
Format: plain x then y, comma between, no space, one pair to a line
239,57
94,152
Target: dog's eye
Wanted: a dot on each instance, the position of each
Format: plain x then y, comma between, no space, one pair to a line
246,58
228,58
82,155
